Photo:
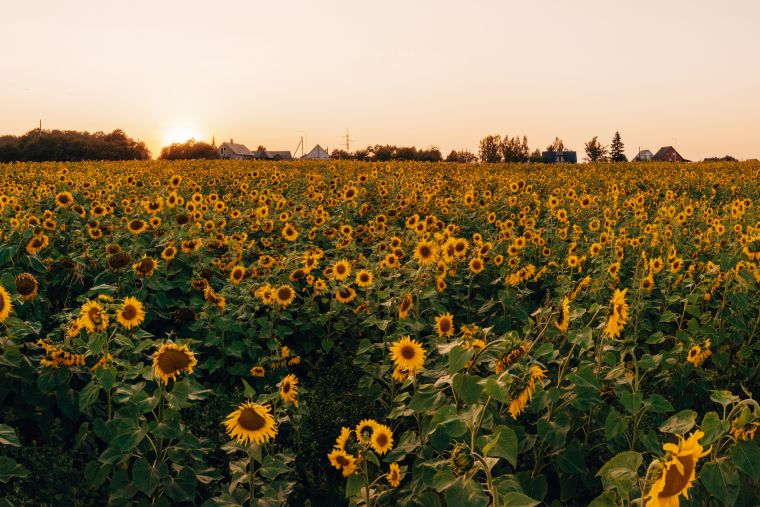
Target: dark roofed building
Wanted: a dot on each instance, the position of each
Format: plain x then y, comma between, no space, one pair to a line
559,157
668,154
272,155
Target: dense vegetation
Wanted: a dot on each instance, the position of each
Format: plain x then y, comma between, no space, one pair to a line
325,333
70,145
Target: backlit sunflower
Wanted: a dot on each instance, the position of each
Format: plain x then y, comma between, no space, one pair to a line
408,354
27,286
93,317
251,423
171,359
289,389
382,439
6,305
444,324
364,278
131,313
394,475
405,306
676,471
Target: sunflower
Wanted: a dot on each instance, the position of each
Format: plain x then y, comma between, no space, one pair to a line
647,283
251,422
400,374
619,314
285,295
289,232
136,226
257,371
64,199
476,265
394,475
171,359
444,324
38,243
5,304
169,253
93,317
340,442
563,324
382,439
289,389
341,269
237,274
425,253
27,286
364,278
345,294
405,306
131,313
365,429
518,403
119,260
145,267
408,354
677,471
342,461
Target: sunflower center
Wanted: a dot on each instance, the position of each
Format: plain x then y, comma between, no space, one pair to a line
283,294
425,251
340,268
381,440
2,303
145,266
25,285
445,325
342,460
251,420
171,361
94,315
675,481
286,387
129,312
407,352
364,278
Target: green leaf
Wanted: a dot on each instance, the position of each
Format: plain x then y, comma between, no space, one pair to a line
614,425
515,499
606,499
723,397
621,472
713,428
495,390
249,391
8,436
106,377
502,444
457,358
9,469
721,480
680,423
746,456
144,476
354,485
582,337
466,493
631,401
555,431
88,395
467,387
658,404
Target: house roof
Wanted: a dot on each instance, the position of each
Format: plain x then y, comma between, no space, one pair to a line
271,154
642,154
317,153
237,149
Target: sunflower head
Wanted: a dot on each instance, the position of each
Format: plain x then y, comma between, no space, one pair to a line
5,304
676,471
251,423
289,389
171,359
27,286
131,313
408,354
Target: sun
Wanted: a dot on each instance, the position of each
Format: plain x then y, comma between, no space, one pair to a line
179,133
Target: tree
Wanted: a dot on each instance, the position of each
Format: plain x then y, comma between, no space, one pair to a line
514,149
490,149
557,145
261,148
617,149
462,157
535,157
70,145
189,150
595,151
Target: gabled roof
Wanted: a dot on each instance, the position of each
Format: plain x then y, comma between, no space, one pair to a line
272,155
662,151
317,153
643,154
237,149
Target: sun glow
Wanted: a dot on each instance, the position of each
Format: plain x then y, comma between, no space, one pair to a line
180,133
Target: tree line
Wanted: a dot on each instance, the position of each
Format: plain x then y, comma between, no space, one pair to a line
69,145
388,152
495,149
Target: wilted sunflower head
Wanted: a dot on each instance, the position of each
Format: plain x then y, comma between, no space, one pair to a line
26,286
119,260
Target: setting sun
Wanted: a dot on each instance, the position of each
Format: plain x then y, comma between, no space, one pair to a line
180,133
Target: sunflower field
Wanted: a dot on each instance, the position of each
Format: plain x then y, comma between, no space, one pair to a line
346,333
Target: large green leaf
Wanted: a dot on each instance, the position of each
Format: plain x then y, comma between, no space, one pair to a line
515,499
721,479
746,456
621,472
467,387
8,436
680,423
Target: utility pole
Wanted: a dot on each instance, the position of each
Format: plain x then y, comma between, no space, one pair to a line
348,141
40,132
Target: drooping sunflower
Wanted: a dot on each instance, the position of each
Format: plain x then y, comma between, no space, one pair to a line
405,306
289,389
345,294
131,313
258,371
6,305
145,267
342,461
408,354
251,423
444,324
563,324
237,274
27,286
676,471
364,278
171,359
400,374
619,315
93,317
425,252
394,475
285,295
341,269
382,439
518,404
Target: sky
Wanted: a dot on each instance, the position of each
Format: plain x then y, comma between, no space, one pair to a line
414,72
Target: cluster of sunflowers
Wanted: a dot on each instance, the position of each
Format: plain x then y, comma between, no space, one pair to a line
529,334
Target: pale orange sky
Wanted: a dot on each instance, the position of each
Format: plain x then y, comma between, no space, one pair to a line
445,73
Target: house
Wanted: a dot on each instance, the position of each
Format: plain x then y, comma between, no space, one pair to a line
317,153
643,156
235,151
272,155
559,157
668,154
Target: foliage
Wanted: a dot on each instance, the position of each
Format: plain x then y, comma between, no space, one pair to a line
189,150
595,151
617,149
68,145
